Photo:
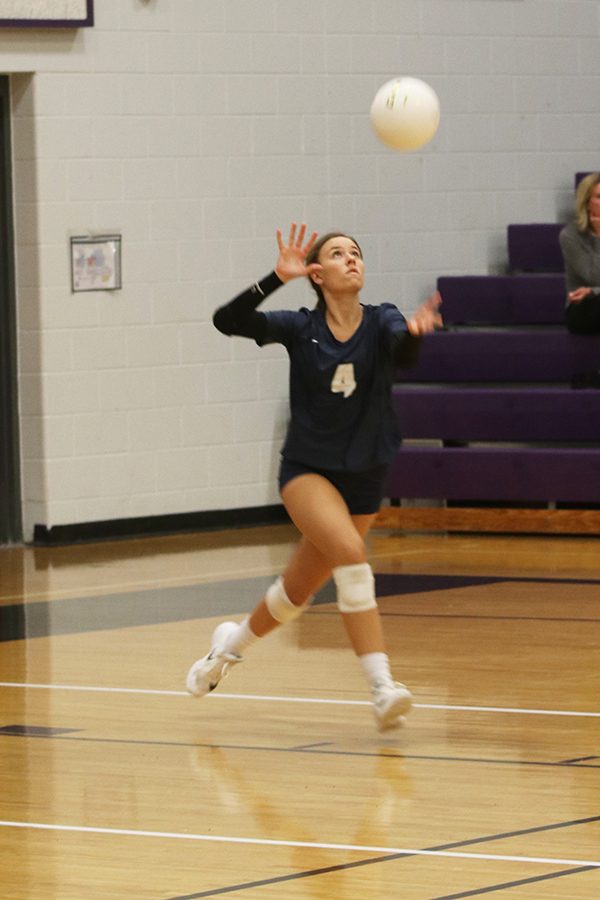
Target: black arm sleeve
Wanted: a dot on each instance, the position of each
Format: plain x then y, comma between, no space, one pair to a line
407,349
241,317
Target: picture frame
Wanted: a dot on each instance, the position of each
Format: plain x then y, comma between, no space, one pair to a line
96,262
46,13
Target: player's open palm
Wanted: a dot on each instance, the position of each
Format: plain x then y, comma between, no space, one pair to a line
291,262
427,318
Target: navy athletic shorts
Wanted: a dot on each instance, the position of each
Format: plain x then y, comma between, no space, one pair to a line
362,491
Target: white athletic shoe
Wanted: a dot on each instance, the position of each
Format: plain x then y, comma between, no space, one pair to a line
391,702
207,672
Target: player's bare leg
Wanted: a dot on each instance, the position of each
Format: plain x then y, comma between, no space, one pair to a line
322,516
332,541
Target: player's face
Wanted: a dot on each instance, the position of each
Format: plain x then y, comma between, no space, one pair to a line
342,266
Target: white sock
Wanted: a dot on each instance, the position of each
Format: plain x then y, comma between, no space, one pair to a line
239,641
376,667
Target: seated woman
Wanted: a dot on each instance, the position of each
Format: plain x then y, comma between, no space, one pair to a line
580,245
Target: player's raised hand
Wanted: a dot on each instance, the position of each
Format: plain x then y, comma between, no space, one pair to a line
291,262
428,317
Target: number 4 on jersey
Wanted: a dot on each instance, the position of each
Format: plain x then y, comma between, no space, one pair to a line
343,381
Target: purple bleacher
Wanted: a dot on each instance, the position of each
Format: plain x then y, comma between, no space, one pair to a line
535,248
496,355
503,299
453,413
492,391
500,474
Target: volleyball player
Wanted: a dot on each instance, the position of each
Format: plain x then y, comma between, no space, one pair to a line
341,437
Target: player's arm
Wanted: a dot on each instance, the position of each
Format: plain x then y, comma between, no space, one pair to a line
425,320
240,316
406,349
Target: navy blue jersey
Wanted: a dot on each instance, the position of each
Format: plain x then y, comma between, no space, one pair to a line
341,415
340,392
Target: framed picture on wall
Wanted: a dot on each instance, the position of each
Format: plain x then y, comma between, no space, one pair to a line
46,13
96,262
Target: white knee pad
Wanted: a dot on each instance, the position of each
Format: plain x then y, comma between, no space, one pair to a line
279,604
355,588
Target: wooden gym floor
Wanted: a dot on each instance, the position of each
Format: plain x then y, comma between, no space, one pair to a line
114,783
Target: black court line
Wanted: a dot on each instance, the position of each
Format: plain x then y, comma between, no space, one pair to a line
249,885
280,879
511,884
387,581
312,746
455,845
572,762
313,749
36,731
74,615
482,618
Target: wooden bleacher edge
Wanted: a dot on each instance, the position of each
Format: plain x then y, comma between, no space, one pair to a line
517,521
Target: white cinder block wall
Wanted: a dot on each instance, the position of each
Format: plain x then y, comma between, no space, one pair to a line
194,129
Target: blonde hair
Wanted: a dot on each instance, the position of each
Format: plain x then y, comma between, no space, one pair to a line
585,189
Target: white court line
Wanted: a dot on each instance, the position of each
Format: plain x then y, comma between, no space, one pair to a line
276,699
307,845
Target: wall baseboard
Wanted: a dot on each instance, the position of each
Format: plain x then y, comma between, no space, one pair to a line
147,526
